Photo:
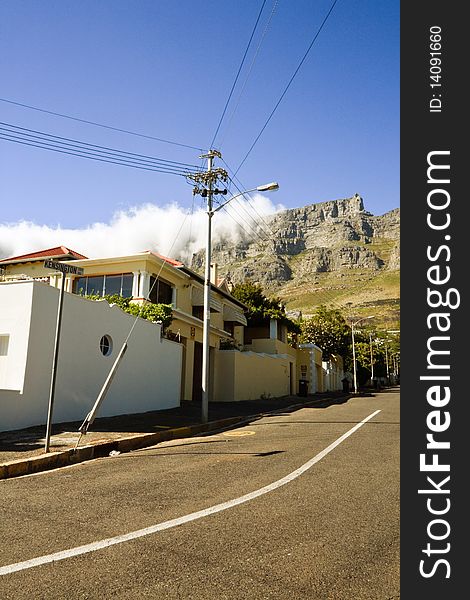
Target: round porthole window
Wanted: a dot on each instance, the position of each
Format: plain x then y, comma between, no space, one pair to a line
106,345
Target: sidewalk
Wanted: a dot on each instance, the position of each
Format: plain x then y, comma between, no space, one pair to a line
22,451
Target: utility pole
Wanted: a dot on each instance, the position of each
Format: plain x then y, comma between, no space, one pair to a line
207,299
208,180
354,358
206,186
353,323
386,362
371,360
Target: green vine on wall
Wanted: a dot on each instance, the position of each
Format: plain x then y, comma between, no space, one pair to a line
155,313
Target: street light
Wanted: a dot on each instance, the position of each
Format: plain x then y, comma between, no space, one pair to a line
392,331
268,187
371,360
353,324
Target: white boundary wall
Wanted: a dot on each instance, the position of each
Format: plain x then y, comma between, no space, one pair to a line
149,377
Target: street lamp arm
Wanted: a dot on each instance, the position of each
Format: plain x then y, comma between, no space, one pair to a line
269,187
353,323
233,198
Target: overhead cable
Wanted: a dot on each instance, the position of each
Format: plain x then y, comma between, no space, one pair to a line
45,141
90,417
287,86
253,61
238,74
57,114
87,155
245,207
248,198
254,231
256,228
32,133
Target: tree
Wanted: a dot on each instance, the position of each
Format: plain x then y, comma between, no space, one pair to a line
162,313
327,329
261,308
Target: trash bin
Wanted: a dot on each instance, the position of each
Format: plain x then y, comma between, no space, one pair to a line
303,387
345,383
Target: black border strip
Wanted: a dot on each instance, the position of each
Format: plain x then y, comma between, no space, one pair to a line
426,129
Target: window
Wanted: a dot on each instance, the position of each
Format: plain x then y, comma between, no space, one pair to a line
95,285
106,345
228,327
4,341
198,312
79,286
161,291
104,285
127,281
113,284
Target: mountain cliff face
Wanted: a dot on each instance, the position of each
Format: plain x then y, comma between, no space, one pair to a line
333,249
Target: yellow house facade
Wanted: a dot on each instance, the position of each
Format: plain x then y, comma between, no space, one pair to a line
245,362
148,276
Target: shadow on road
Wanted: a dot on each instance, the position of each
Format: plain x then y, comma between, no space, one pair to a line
31,439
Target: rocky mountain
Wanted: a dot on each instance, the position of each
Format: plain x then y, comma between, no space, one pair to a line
331,253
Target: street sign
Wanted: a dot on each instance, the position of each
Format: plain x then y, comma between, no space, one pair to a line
63,267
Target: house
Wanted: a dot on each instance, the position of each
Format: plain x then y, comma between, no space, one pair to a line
245,362
31,266
148,276
264,365
333,373
310,367
92,334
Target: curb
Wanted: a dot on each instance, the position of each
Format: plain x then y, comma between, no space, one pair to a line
53,460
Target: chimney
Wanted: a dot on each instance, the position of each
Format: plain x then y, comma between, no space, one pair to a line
214,273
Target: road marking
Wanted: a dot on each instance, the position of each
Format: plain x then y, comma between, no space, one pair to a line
127,537
239,433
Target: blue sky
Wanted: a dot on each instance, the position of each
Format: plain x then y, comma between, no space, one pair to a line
165,69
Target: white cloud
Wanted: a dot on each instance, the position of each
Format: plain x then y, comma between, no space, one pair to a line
169,230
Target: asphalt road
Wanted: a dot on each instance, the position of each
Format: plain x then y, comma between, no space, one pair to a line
330,533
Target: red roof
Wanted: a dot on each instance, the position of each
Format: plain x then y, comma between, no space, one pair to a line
170,261
57,252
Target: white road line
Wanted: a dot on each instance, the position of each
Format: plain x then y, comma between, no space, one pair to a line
119,539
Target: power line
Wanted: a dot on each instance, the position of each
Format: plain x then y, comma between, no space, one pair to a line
287,86
256,233
238,74
246,211
79,151
87,155
190,229
260,233
57,114
46,141
48,137
265,31
238,203
249,198
92,414
83,150
250,216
